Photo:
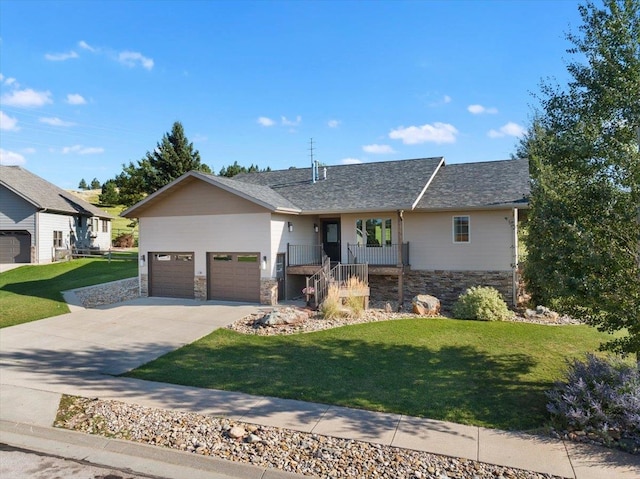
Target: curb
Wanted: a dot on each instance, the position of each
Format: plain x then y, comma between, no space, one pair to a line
130,456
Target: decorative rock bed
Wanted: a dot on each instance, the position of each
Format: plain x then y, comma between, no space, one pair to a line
305,320
270,447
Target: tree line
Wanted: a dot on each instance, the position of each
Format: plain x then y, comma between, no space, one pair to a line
172,157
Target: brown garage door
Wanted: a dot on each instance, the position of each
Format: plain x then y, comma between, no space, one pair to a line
171,275
234,276
15,247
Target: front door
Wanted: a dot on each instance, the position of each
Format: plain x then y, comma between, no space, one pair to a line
331,239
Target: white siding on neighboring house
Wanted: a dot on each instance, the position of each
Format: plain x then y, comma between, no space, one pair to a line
99,238
47,223
201,234
432,248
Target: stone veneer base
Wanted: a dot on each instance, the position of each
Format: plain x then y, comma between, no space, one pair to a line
443,284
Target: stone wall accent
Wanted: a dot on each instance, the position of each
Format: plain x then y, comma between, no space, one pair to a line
108,293
444,285
269,291
144,285
200,287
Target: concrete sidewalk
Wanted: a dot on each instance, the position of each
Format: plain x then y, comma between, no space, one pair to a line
72,354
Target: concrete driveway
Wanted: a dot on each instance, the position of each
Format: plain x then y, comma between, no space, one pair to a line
109,340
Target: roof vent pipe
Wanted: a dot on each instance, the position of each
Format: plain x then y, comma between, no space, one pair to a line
324,173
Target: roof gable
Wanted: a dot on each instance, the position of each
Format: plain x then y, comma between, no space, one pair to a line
257,194
44,195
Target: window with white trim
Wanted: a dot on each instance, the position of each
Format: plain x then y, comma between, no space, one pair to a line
57,239
374,232
461,229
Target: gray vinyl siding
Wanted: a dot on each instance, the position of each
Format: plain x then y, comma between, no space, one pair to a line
47,224
17,213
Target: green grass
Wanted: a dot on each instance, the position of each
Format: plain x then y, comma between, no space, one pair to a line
118,224
33,292
491,374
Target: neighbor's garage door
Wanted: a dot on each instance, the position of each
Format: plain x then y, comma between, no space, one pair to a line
171,275
15,247
234,276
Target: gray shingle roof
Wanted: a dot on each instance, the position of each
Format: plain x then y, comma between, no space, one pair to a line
45,195
388,185
254,192
476,185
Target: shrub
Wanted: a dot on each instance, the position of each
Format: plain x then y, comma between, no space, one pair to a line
331,307
602,397
124,240
483,303
355,303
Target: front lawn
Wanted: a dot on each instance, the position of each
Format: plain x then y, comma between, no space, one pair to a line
491,374
34,291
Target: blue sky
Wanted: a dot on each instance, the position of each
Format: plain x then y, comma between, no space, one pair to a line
89,85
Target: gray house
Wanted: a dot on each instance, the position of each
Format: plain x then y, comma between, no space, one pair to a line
40,223
418,225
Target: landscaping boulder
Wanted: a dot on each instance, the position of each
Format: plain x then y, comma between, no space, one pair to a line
426,305
282,316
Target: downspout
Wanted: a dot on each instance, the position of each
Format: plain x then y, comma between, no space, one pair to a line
400,260
516,256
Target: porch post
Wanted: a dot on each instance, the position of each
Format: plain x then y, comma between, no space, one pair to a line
400,260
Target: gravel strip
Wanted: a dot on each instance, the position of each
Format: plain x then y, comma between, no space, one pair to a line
270,447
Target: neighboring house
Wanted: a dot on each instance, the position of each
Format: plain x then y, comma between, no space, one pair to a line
40,223
421,227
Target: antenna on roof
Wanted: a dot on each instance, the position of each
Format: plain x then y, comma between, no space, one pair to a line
314,163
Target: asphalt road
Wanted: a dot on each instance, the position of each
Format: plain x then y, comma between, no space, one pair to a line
22,464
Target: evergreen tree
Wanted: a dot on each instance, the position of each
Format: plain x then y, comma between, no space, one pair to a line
583,251
83,184
235,169
95,184
172,157
109,195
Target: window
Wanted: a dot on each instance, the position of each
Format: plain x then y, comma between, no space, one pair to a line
105,226
57,239
460,229
374,232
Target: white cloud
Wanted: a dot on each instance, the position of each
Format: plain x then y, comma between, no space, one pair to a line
55,121
82,150
27,98
333,123
378,149
264,121
75,99
479,109
10,82
8,158
60,57
508,129
131,59
85,46
28,151
8,123
436,133
350,161
446,99
287,122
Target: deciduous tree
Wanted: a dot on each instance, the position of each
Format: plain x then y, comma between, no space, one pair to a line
585,167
